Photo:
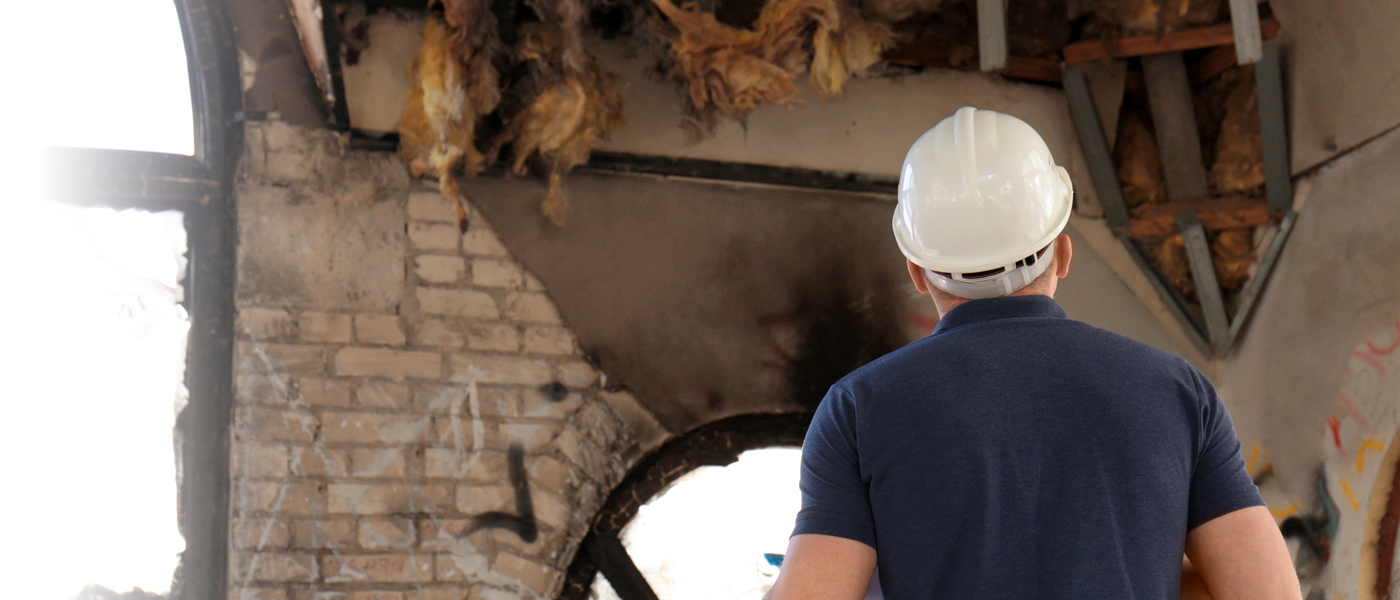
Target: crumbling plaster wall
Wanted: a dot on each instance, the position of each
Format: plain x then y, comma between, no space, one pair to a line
387,368
1309,383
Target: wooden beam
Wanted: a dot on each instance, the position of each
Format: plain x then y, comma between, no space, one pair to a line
1174,119
1176,41
1215,213
1212,65
921,54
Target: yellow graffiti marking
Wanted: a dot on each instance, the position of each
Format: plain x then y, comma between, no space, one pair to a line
1249,464
1346,489
1283,513
1366,444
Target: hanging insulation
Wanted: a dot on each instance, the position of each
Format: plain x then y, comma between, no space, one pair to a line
454,85
575,105
732,70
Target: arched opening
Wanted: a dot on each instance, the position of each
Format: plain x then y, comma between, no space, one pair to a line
721,443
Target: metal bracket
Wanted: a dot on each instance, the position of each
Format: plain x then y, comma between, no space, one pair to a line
1244,15
1207,288
1273,132
991,34
1091,135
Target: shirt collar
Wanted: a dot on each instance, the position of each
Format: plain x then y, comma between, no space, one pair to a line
1005,307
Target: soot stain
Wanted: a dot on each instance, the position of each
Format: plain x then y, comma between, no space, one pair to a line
845,325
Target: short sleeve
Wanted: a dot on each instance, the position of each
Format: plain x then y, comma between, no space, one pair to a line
835,497
1219,484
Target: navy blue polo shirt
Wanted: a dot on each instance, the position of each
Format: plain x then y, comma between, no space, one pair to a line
1015,453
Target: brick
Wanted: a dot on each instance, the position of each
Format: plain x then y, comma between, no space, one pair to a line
436,268
640,422
288,359
318,462
499,401
577,374
260,593
379,499
548,340
276,425
320,391
533,436
447,463
533,284
278,497
431,206
455,432
315,594
498,369
259,534
381,595
602,428
266,324
391,364
377,462
256,387
552,509
373,428
386,534
531,307
326,328
275,566
460,567
254,460
475,500
472,304
493,337
323,534
535,576
490,272
547,472
437,593
544,403
382,394
432,236
376,567
482,242
591,461
434,333
378,329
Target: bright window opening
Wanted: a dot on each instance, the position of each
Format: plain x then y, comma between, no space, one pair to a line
95,354
97,74
706,536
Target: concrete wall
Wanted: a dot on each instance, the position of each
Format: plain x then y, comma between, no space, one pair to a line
1317,354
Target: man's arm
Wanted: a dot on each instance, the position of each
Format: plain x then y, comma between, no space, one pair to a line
1243,555
824,567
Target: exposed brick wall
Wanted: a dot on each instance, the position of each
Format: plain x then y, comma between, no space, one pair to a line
386,364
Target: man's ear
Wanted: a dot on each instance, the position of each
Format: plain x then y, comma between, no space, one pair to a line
916,273
1064,253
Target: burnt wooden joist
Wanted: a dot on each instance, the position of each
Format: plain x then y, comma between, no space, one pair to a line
1215,213
928,53
1176,41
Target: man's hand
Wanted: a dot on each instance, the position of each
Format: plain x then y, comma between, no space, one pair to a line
824,567
1243,555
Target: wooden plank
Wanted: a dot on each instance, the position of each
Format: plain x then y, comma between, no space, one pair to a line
1091,136
1176,41
1174,119
1212,65
923,54
1207,288
1244,19
1214,213
991,34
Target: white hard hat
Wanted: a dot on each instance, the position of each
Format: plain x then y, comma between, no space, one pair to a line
980,201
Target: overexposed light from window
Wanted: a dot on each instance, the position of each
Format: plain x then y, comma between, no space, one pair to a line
97,74
707,535
93,376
